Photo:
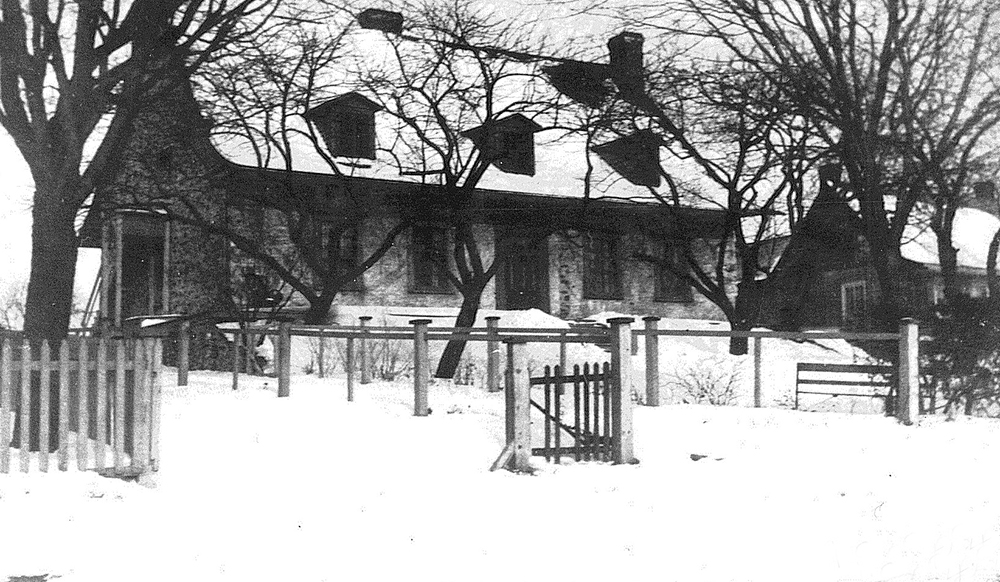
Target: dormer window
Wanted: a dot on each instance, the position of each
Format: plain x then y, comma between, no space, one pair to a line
636,157
508,143
347,125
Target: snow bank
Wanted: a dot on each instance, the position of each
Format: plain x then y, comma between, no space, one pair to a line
313,488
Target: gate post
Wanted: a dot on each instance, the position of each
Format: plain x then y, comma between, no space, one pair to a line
621,395
284,359
492,354
183,353
758,392
366,372
652,361
908,394
421,366
518,406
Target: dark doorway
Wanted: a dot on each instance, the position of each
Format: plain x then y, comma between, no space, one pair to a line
523,281
142,265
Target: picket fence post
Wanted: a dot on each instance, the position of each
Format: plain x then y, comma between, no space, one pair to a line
320,364
183,353
652,342
908,394
63,430
23,438
758,387
349,365
366,373
284,359
421,366
5,404
492,354
519,406
621,396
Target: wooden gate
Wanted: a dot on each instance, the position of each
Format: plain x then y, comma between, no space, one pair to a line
579,407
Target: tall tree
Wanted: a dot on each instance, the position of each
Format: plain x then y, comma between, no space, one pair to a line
732,142
437,87
863,73
72,75
258,101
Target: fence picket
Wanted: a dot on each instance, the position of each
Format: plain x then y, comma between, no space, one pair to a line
44,395
5,405
83,406
606,438
558,413
587,433
118,419
547,387
595,387
64,405
140,406
154,406
576,412
101,413
23,437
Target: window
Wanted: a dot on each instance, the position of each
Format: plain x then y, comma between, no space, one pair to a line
515,153
670,286
343,252
347,125
601,271
853,303
350,135
509,143
937,293
429,252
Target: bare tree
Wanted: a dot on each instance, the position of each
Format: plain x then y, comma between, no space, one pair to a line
733,143
71,77
870,77
436,92
257,102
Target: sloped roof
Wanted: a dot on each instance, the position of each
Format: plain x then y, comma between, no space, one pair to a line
563,167
973,230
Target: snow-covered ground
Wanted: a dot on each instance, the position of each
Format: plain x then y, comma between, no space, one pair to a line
312,487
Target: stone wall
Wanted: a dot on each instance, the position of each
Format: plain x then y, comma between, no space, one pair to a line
567,287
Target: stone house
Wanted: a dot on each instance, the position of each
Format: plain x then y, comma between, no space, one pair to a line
564,255
823,279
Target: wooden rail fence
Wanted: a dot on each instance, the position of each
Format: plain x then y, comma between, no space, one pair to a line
94,401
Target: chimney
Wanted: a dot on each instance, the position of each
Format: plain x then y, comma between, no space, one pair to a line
829,181
626,64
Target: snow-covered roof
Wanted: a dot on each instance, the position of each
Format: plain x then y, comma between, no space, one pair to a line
973,230
563,167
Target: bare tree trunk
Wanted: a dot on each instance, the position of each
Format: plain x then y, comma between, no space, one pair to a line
891,303
319,309
452,354
991,268
749,295
53,263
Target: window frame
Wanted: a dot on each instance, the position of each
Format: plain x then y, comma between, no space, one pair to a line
846,288
602,279
350,133
680,290
420,257
333,240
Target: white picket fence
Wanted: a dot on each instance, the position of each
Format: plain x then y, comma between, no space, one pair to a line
93,402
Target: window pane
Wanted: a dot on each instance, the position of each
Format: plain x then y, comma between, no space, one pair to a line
600,268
